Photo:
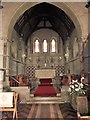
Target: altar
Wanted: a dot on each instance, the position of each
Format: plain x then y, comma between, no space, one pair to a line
45,73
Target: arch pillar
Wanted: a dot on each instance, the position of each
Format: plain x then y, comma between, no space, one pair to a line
1,63
5,56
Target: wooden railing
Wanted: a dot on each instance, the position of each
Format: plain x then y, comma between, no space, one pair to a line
13,82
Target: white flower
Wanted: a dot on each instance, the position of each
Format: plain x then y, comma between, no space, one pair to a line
74,81
72,86
83,92
77,89
69,90
81,85
76,85
82,78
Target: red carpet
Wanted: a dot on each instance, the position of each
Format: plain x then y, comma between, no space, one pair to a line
45,89
45,80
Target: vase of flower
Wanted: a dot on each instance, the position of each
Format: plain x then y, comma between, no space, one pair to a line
75,89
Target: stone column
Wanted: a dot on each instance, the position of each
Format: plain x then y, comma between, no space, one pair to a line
7,58
1,46
5,55
1,63
83,54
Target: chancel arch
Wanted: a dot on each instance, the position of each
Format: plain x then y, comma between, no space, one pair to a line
25,6
22,7
63,6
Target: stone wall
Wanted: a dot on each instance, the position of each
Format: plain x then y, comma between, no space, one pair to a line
40,58
72,49
17,55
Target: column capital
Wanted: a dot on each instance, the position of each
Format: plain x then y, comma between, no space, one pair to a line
84,38
5,39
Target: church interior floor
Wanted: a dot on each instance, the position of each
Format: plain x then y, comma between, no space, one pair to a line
62,111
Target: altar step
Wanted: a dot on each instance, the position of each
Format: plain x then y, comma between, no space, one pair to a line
45,100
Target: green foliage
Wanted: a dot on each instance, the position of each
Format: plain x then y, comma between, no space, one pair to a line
7,89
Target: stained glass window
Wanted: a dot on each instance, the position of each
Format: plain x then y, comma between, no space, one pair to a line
37,46
53,46
45,46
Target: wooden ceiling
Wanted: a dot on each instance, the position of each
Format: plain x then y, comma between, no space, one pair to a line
44,13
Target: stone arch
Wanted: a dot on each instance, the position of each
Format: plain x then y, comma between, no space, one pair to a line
64,6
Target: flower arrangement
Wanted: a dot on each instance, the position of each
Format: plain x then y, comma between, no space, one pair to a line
76,87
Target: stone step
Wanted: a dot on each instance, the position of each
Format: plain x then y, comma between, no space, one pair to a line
45,98
44,102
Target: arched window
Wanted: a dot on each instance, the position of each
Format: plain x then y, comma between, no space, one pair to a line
45,46
37,46
53,45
